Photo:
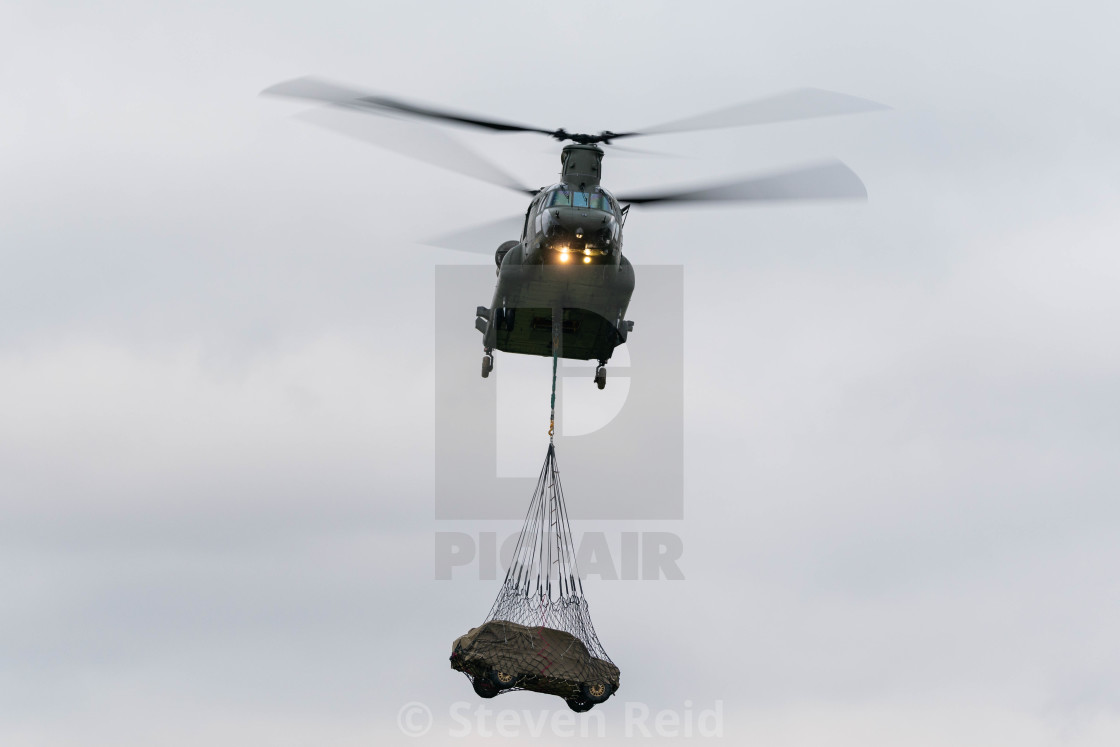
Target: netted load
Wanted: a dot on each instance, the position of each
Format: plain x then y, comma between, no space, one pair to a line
538,635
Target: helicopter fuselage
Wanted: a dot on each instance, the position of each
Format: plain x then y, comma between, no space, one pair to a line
568,265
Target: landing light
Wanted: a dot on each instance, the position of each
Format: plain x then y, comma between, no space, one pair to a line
586,260
565,257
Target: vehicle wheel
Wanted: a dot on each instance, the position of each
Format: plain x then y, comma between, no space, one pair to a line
502,680
487,365
597,692
601,377
484,688
579,706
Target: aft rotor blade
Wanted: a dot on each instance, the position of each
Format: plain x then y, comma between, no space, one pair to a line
481,239
827,181
428,144
316,89
803,103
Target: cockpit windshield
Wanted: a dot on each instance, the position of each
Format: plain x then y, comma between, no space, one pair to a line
596,200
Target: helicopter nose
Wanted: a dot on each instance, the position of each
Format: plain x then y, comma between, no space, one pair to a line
579,226
571,234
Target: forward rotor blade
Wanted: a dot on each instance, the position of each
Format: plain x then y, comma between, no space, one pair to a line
316,89
481,239
827,181
803,103
615,150
418,141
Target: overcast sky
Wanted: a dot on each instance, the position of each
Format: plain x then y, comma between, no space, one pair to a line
901,417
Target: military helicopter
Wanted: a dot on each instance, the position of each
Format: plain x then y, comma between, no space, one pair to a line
563,283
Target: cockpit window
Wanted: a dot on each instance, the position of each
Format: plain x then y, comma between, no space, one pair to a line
560,197
594,200
600,201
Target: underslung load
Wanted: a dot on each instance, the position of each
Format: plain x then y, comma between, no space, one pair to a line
538,635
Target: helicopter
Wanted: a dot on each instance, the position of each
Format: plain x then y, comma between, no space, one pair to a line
563,284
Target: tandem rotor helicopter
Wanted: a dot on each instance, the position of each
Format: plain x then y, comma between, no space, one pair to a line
566,266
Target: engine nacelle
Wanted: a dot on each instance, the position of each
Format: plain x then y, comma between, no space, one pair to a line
502,251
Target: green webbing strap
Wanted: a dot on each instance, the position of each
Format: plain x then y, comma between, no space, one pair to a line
557,326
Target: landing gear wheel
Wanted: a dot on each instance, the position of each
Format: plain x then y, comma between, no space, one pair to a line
484,688
578,705
601,377
597,692
502,680
487,365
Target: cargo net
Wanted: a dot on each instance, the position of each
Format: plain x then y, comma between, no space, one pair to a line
538,635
